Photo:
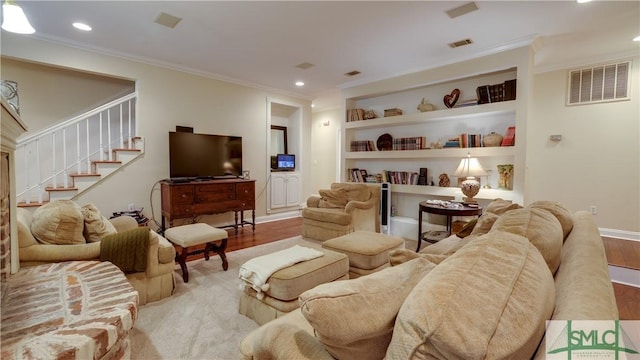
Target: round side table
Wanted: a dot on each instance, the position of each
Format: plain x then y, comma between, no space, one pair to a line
465,210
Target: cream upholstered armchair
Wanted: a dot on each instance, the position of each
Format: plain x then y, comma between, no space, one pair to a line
340,210
63,231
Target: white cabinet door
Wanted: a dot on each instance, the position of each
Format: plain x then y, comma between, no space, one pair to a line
278,190
285,190
293,189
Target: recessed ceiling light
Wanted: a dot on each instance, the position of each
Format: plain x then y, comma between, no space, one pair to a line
81,26
583,1
299,83
637,38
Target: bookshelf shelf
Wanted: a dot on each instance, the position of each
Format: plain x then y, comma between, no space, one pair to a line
432,153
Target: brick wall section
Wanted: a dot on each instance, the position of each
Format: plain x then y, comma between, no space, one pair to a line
70,310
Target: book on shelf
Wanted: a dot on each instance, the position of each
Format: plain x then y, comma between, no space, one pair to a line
470,140
452,142
497,92
362,145
409,143
422,176
392,112
509,137
400,177
355,115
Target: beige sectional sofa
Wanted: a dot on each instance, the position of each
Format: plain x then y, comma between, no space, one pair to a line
487,295
64,231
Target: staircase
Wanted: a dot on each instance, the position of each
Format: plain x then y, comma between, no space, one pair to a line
71,157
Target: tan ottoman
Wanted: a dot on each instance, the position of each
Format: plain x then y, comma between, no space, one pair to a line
187,236
287,284
368,252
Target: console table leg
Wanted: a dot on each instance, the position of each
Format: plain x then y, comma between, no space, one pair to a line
253,220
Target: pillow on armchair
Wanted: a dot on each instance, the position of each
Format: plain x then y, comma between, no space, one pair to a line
59,222
334,198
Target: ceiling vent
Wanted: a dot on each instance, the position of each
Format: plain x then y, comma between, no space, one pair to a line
305,65
599,84
352,73
460,43
167,20
462,10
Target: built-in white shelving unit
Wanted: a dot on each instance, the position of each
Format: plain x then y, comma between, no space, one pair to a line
407,91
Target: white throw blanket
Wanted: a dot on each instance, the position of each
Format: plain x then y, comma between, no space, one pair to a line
256,272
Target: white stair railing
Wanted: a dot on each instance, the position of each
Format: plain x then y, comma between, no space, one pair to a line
51,155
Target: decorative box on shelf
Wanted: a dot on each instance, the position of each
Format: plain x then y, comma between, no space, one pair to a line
392,112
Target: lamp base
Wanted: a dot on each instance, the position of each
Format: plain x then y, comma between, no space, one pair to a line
470,187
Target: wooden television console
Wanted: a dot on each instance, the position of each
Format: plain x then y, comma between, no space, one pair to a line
188,199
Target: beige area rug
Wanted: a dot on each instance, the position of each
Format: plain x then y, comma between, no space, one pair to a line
201,319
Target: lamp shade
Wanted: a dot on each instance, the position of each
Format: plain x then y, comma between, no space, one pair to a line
14,20
470,167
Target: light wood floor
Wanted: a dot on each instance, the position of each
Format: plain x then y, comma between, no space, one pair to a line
623,253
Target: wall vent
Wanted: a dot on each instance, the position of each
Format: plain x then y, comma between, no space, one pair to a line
597,84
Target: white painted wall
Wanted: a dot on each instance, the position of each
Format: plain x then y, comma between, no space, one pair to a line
325,132
598,160
167,98
59,93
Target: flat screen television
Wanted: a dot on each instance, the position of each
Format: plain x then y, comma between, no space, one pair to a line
204,156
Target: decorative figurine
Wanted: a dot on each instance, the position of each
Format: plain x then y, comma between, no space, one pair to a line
425,106
444,180
451,100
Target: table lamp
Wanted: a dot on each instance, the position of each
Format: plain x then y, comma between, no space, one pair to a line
470,168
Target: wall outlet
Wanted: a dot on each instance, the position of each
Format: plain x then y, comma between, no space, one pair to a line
594,209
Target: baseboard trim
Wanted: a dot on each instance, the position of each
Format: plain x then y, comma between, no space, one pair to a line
620,234
278,216
624,276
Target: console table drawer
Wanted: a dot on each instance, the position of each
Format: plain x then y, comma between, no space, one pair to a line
215,192
181,194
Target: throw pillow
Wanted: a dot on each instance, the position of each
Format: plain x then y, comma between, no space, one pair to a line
59,222
560,212
354,319
489,300
539,226
466,229
96,226
334,198
355,192
500,206
485,222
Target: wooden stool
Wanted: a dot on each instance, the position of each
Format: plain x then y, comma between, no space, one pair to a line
190,235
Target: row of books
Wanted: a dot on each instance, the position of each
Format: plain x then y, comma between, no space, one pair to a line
362,145
476,140
355,114
393,177
361,175
410,143
496,93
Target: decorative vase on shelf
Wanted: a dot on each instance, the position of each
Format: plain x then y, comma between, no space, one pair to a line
491,140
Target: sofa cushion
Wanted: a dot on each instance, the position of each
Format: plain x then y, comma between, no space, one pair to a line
335,216
59,222
96,226
355,192
354,319
501,273
539,226
560,212
334,198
